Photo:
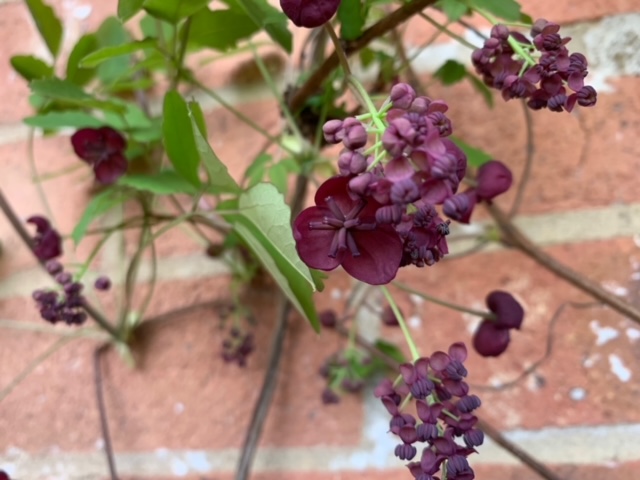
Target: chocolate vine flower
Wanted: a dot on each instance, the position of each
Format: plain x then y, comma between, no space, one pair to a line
342,230
47,243
103,149
492,337
309,13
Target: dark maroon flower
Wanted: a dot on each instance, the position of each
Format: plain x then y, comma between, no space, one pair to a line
47,243
309,13
388,317
329,397
489,340
102,283
509,313
103,149
328,318
4,475
493,178
341,230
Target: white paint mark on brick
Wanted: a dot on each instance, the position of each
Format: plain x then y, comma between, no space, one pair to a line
99,444
179,468
578,394
633,334
618,368
82,12
417,300
414,321
591,360
336,294
178,408
198,461
616,288
603,334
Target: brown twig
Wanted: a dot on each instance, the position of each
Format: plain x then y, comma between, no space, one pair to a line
378,29
530,151
261,407
512,236
104,422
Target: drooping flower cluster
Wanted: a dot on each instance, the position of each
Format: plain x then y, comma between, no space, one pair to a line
47,243
444,410
492,337
102,148
507,62
379,214
237,347
65,306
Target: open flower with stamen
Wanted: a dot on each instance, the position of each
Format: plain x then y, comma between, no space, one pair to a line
342,230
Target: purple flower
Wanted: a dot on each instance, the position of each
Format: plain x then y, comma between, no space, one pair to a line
493,179
103,149
102,283
309,13
47,243
492,337
341,230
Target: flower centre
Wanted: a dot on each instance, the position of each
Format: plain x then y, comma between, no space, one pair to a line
343,224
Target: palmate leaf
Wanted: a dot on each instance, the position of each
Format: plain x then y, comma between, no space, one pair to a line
264,223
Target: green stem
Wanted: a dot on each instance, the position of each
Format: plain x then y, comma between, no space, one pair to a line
444,303
444,29
415,354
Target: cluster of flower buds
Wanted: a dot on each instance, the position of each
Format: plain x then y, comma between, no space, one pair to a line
443,406
492,337
65,306
379,214
102,148
47,243
237,347
544,83
343,373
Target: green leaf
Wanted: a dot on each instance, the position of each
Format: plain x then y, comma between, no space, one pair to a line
179,140
131,118
110,34
65,91
174,10
506,9
167,182
30,67
264,224
219,177
475,156
99,205
128,8
268,18
482,89
451,72
107,53
84,46
220,29
278,176
48,24
453,9
255,172
352,16
69,118
198,116
390,350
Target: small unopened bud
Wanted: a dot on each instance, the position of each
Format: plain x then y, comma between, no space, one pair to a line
493,179
402,95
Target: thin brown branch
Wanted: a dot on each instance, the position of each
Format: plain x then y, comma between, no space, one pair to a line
530,151
104,422
512,236
378,29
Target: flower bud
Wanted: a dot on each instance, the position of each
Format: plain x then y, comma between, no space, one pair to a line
509,313
402,95
489,340
493,179
351,163
309,13
333,132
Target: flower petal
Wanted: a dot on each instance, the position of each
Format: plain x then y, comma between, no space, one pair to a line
313,245
380,256
110,170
